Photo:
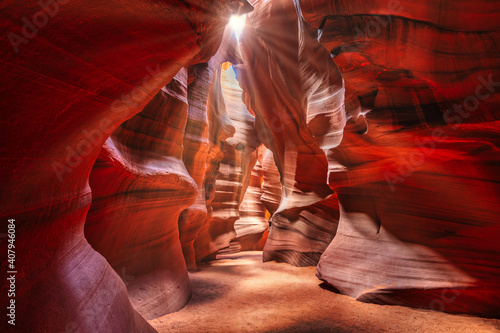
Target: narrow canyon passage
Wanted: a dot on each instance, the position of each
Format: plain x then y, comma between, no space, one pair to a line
249,165
239,293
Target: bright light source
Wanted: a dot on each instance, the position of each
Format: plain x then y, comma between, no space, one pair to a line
237,23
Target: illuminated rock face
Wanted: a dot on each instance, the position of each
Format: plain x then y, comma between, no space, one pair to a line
250,228
67,85
140,186
141,173
271,186
230,179
297,94
418,194
219,128
196,146
386,157
201,140
417,160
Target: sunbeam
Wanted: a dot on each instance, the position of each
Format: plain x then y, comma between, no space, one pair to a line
237,23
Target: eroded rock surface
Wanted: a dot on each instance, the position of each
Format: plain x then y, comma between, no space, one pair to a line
299,108
202,142
253,223
416,162
418,191
140,186
238,156
382,124
66,85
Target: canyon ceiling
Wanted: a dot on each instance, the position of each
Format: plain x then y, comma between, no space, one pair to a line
140,138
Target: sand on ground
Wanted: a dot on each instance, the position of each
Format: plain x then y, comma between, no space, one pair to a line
240,293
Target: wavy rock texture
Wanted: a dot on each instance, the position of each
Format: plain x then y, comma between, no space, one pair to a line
381,116
252,225
271,186
323,213
196,146
197,143
419,191
220,128
297,94
140,186
67,84
237,156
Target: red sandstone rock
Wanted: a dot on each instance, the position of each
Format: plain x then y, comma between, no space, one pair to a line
220,128
298,103
140,186
418,195
415,170
197,143
271,186
252,224
424,243
320,221
66,86
233,172
421,240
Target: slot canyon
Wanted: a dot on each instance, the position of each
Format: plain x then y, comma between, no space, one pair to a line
250,166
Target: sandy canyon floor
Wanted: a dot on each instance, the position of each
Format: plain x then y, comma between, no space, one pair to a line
240,293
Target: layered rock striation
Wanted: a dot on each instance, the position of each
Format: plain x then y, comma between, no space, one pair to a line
238,155
128,151
296,92
252,225
202,142
416,179
140,186
72,73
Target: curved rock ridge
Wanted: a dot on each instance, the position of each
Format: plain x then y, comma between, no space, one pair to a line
301,240
417,179
310,234
271,186
195,153
250,228
197,143
220,128
359,136
67,83
238,155
464,16
296,92
140,186
428,240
